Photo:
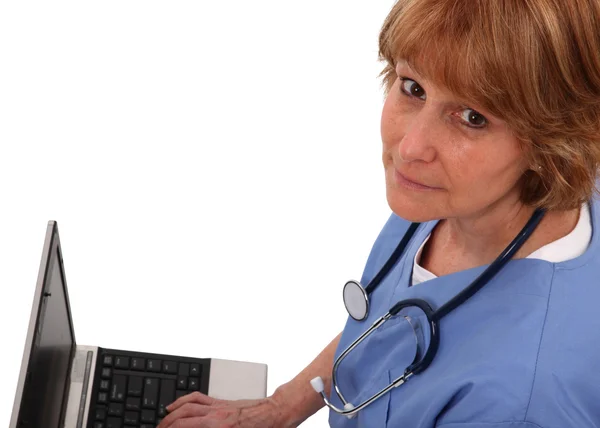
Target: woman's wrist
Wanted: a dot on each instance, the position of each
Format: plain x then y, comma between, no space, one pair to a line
296,400
294,406
284,408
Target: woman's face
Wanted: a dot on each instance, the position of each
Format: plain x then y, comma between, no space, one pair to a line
444,158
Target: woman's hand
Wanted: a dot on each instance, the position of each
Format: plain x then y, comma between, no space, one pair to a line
197,410
290,404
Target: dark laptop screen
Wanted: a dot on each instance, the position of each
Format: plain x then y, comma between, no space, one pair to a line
44,394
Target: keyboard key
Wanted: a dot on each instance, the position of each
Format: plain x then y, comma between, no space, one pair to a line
184,369
122,363
104,385
195,370
108,360
179,394
117,392
182,382
100,413
193,384
115,409
135,386
132,418
154,366
147,426
106,372
169,367
167,396
138,364
102,397
133,403
150,396
147,416
113,423
98,425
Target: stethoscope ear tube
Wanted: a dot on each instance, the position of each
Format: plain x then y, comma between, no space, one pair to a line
434,340
434,343
421,304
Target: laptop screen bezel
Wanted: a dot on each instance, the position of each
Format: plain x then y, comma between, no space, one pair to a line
51,247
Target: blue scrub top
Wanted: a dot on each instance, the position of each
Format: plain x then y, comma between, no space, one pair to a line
523,352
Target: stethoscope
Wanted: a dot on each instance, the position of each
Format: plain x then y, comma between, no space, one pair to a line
356,300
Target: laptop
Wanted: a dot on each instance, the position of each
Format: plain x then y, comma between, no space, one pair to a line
63,384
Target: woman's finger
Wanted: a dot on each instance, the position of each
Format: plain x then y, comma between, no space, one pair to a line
185,411
198,423
194,397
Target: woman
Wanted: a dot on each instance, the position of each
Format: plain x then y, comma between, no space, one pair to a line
492,112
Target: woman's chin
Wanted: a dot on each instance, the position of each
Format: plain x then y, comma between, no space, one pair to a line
412,210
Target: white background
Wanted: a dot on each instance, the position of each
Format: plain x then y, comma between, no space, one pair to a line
214,168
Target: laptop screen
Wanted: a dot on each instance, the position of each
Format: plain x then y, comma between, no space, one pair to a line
52,345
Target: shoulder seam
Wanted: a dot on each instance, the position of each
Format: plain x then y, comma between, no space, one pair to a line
540,345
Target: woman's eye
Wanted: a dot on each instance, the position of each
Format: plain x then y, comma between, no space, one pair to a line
473,118
411,88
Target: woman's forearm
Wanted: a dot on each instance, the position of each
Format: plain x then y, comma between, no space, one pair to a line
296,398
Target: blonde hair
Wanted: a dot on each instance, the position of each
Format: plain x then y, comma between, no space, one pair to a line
533,63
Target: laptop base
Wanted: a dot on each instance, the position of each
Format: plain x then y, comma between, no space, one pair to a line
115,388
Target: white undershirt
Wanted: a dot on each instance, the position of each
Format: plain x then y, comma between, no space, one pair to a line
566,248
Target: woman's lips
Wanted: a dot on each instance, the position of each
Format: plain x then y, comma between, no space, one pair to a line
410,184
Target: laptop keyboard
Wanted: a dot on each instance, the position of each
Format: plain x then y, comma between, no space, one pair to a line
132,390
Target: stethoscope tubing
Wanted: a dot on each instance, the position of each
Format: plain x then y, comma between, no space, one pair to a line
393,259
433,317
505,256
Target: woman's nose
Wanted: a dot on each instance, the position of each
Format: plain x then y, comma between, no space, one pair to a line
418,141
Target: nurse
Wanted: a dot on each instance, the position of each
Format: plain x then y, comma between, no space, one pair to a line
492,111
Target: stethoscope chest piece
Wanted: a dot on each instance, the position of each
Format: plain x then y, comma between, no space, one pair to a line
356,300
